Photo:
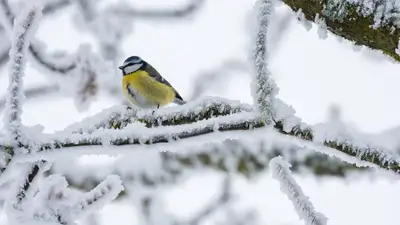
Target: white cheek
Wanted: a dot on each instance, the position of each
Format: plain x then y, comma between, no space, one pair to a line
133,68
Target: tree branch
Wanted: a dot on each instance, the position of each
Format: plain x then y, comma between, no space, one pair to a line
248,159
49,9
238,121
375,25
33,48
301,203
263,87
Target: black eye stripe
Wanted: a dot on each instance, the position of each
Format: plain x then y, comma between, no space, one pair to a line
130,64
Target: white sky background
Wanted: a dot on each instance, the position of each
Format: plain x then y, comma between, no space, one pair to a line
311,73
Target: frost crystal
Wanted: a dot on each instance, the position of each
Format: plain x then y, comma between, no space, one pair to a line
335,10
301,17
322,29
301,203
24,28
263,86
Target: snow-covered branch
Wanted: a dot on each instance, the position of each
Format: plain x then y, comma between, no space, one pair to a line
264,89
374,24
52,201
37,55
184,123
248,155
50,8
24,182
302,205
118,117
24,28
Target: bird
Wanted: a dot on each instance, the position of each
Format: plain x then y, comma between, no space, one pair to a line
144,87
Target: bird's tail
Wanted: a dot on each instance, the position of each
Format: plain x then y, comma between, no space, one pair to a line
179,101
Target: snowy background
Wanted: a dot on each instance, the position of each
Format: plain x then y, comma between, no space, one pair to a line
312,74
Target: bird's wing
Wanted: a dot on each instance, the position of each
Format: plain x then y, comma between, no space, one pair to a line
156,75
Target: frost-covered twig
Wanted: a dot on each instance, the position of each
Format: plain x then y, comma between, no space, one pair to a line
8,19
304,208
50,8
24,28
54,202
263,87
118,117
23,183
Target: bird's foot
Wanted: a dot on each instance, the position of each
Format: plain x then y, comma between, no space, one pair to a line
158,106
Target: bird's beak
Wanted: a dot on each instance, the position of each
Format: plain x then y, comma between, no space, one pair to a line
121,67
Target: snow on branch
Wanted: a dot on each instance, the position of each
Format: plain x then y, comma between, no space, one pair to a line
151,167
24,29
53,202
183,123
118,117
22,186
29,204
50,8
304,208
264,89
34,50
247,154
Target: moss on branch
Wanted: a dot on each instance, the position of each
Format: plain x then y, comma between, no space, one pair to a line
350,21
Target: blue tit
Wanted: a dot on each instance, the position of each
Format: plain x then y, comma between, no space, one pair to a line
143,86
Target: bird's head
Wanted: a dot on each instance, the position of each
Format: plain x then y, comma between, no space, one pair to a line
132,64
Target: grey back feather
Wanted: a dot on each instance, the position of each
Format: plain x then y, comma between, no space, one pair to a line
156,75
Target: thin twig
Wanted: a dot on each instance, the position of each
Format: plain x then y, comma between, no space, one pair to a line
302,204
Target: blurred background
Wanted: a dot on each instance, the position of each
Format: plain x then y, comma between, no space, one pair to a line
202,48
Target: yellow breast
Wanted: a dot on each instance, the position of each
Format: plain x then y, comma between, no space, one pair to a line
154,91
